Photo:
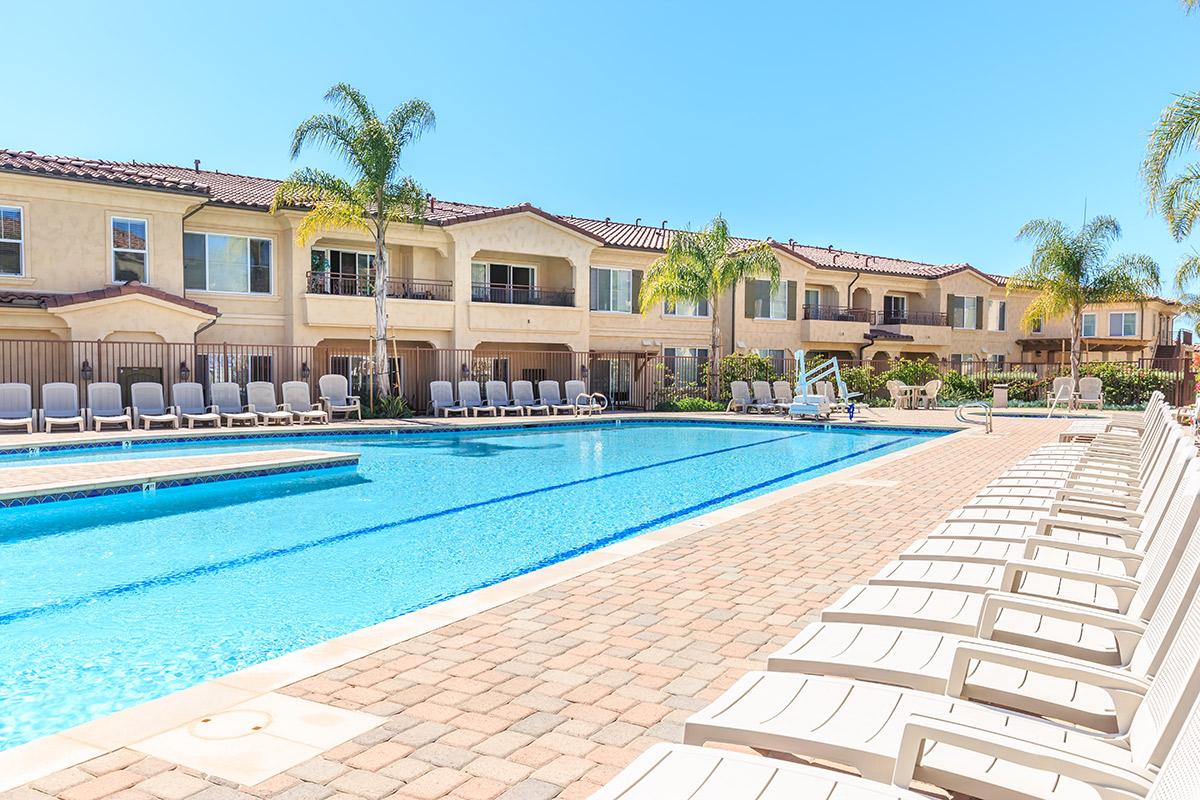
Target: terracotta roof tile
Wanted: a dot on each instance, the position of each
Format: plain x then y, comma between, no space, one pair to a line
58,300
145,176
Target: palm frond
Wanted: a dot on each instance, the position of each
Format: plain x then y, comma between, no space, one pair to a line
409,120
305,187
331,214
1128,277
1187,270
1176,131
347,98
1179,202
328,131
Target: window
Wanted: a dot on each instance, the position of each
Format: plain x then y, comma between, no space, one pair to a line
812,300
776,357
612,289
895,309
1122,323
683,363
502,283
218,263
686,308
997,315
964,311
1037,326
957,360
778,305
996,360
130,257
1089,324
12,241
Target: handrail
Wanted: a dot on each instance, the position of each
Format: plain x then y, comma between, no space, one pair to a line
961,417
1058,398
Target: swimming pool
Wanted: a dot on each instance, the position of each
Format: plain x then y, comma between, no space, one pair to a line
109,601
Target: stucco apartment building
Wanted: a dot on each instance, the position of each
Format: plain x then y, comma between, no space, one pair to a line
127,251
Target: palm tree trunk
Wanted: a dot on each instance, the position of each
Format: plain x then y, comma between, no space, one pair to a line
714,349
381,362
1076,343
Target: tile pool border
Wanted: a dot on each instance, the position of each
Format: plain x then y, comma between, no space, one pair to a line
130,726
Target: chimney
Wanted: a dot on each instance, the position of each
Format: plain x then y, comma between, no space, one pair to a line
791,243
607,221
197,162
664,225
637,221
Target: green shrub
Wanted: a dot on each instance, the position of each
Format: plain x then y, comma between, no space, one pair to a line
747,367
387,407
690,404
1125,385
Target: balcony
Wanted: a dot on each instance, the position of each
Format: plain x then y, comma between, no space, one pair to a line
364,286
839,314
912,318
873,317
516,294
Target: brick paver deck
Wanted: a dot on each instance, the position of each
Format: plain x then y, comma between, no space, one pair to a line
550,695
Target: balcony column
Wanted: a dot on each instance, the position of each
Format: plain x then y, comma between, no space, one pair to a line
464,251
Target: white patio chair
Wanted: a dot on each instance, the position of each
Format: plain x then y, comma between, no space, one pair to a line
298,400
896,393
335,394
16,406
1062,390
741,399
548,391
523,396
60,406
149,408
927,397
261,400
105,407
468,396
227,399
497,398
1091,393
188,398
441,398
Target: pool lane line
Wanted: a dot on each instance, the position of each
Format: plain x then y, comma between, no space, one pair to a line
250,558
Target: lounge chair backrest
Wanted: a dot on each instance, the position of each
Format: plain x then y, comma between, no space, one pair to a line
104,400
783,391
468,394
1160,560
261,395
188,398
740,391
227,397
297,395
825,388
1090,388
1180,773
548,391
147,398
16,401
497,393
60,400
441,394
335,388
523,393
762,393
1066,385
575,388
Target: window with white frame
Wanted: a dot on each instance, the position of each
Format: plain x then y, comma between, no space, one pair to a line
686,308
1122,323
612,289
12,241
130,252
218,262
964,311
997,315
996,361
1037,326
1089,325
776,306
812,302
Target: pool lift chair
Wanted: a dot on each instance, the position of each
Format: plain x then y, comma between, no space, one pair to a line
808,402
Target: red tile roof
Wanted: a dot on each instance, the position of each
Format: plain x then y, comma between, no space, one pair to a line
56,300
142,176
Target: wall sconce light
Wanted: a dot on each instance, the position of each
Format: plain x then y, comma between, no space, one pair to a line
304,371
85,370
583,370
465,371
184,372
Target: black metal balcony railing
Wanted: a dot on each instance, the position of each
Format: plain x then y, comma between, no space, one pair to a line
839,313
523,295
913,318
873,317
364,286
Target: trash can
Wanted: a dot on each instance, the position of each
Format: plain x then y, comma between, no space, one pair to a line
999,395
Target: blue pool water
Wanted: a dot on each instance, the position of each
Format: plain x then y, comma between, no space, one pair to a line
109,601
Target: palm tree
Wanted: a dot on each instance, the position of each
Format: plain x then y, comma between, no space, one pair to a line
1070,270
376,193
703,265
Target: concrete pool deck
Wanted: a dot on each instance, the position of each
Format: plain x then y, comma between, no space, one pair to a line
542,686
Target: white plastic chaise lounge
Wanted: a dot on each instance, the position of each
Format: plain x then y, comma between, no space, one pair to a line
523,396
261,400
893,733
16,406
335,394
188,398
441,398
60,406
764,399
297,399
468,396
149,408
227,399
105,408
585,402
497,398
548,391
741,399
782,391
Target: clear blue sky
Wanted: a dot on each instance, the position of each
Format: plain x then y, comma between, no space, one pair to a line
927,130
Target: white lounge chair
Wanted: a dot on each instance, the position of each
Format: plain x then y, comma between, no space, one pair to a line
741,399
782,391
764,400
335,394
468,396
149,408
260,399
523,396
60,406
548,391
16,406
585,402
227,399
298,400
105,408
497,398
1091,393
189,403
441,395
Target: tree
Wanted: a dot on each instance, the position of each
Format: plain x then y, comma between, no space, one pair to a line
702,266
375,194
1070,270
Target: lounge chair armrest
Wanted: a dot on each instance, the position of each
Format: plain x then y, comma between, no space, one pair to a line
1129,535
921,729
1126,515
1126,631
323,398
284,407
213,409
250,407
1015,568
1108,498
1114,486
351,399
1128,558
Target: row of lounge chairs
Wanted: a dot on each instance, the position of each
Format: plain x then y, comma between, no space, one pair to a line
549,401
61,407
1042,642
765,397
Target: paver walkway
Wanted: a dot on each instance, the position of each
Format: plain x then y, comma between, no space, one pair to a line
550,695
